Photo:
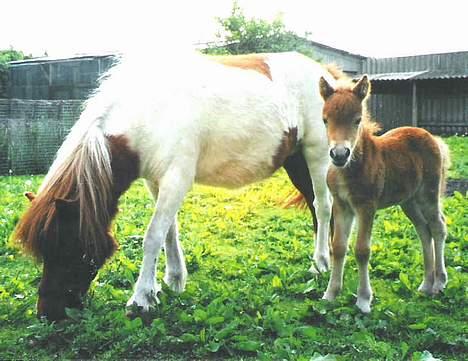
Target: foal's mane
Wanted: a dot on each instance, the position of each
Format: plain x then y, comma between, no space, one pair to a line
346,84
81,175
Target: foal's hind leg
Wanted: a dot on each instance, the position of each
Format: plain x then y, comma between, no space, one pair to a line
413,212
436,222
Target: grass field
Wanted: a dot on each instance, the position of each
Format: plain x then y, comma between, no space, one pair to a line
249,295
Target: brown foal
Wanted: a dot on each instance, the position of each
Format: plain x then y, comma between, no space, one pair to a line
405,166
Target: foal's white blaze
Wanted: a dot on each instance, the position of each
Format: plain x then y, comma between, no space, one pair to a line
191,119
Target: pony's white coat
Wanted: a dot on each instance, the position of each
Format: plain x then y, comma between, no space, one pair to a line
191,119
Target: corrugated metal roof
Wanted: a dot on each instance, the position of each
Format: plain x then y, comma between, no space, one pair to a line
396,76
444,74
47,59
421,75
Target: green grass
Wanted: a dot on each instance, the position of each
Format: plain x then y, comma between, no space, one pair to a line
249,295
459,153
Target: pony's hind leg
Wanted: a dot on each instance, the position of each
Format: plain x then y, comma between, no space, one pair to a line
413,212
317,163
172,189
296,167
176,271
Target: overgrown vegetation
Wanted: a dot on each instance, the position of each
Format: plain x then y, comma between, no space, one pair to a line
249,295
459,154
5,57
241,35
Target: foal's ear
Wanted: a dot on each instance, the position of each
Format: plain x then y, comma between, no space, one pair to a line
326,90
362,87
67,207
30,195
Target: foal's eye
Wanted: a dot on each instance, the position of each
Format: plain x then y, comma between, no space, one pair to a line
357,121
325,121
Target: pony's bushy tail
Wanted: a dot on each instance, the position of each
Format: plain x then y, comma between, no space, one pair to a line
446,163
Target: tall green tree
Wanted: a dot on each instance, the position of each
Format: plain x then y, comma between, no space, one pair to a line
241,35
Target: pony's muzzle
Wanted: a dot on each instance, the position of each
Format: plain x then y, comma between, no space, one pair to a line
340,155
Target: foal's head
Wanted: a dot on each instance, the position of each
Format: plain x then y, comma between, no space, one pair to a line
343,113
68,268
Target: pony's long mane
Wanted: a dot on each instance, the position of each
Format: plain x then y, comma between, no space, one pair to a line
82,173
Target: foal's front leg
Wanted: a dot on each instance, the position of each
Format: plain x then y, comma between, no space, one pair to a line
365,217
343,220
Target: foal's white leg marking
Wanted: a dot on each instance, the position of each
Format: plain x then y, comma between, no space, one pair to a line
362,252
317,162
176,271
413,212
172,189
343,221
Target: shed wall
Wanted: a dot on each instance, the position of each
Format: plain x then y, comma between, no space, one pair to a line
31,131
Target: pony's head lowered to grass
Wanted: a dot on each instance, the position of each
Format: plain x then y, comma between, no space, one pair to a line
67,225
344,114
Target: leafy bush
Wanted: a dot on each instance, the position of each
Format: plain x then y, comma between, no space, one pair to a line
5,57
242,35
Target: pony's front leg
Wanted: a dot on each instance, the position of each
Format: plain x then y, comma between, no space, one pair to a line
365,216
343,220
317,162
172,189
176,271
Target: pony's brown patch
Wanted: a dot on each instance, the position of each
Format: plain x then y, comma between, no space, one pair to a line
125,164
255,62
286,147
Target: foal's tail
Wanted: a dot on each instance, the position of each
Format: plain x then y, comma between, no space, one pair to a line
446,163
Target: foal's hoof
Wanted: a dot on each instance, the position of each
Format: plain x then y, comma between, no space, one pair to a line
426,289
438,287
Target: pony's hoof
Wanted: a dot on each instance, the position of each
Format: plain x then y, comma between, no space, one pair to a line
176,281
363,305
320,265
135,311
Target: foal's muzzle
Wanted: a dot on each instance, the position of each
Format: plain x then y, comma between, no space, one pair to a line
340,155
